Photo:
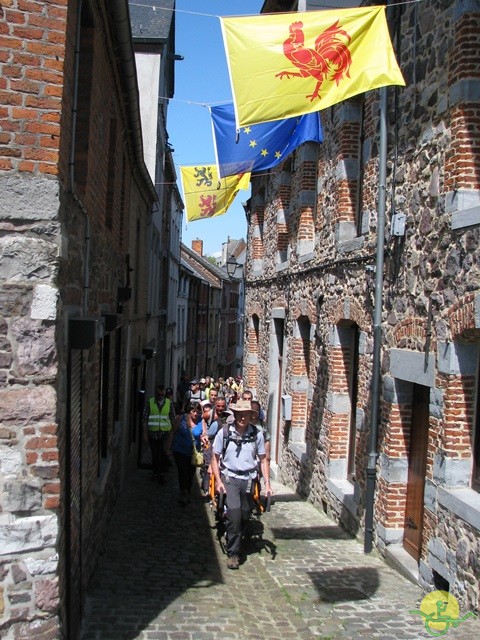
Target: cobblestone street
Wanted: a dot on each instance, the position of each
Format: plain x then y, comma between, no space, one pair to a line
164,576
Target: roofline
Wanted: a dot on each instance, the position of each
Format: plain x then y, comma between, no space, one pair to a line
139,40
121,22
203,278
216,271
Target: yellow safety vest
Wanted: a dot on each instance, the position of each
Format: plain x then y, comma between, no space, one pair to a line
159,420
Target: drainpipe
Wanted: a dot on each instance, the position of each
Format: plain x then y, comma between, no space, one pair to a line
377,324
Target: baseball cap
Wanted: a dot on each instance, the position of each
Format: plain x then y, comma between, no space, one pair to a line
194,381
205,403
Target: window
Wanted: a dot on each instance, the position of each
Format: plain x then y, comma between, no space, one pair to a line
360,176
343,391
476,438
256,328
353,394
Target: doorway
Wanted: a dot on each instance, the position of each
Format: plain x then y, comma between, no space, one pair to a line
417,466
274,416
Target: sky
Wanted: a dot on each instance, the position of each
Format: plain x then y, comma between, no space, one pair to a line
201,80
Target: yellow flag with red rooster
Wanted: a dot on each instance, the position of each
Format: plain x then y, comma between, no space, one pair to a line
205,194
289,64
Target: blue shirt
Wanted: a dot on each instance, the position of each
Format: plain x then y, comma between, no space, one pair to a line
182,441
213,428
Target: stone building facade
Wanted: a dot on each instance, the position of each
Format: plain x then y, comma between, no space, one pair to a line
153,32
76,207
310,301
210,320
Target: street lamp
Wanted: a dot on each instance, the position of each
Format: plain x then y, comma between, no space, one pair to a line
231,267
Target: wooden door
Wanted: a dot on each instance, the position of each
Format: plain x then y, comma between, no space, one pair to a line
417,465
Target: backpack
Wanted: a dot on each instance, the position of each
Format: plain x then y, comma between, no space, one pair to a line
188,398
247,437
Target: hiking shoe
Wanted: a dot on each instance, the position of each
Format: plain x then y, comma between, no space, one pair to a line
233,562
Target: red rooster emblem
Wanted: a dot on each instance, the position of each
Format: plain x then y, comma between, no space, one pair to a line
329,60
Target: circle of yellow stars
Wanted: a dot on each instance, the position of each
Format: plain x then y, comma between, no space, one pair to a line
253,144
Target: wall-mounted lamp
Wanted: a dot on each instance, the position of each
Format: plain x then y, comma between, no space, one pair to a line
232,265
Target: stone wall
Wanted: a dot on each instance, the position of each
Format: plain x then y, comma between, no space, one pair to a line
30,108
62,256
430,297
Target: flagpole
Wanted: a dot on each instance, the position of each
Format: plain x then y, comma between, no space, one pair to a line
377,326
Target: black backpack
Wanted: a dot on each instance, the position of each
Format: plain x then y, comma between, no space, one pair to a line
249,436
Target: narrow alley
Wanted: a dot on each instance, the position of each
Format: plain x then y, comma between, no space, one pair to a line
163,576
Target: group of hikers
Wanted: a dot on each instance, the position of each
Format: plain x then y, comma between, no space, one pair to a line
224,422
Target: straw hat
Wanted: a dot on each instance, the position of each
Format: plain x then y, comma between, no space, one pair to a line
242,405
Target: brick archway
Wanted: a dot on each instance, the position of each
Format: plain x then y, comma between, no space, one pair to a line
462,318
307,309
255,317
411,333
349,310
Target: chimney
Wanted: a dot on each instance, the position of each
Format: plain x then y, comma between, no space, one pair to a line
197,246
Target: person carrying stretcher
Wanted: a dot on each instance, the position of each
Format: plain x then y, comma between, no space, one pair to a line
236,449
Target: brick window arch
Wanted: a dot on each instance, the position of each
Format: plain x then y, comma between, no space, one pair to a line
253,344
462,178
257,226
349,169
283,211
301,354
306,167
343,400
462,392
306,230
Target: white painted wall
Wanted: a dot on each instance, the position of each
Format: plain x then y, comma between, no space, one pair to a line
148,73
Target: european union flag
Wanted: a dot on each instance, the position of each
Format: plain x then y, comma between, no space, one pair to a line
261,146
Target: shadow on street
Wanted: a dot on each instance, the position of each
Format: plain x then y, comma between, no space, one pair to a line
156,550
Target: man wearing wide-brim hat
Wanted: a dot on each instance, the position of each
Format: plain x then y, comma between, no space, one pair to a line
234,466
